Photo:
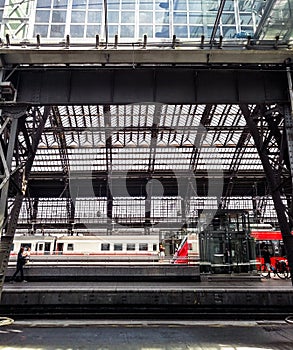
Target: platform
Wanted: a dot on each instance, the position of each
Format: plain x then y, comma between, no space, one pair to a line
207,299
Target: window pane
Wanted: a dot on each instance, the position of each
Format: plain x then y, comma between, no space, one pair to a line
57,31
77,31
95,4
143,246
78,4
145,5
112,30
180,17
145,17
148,30
113,5
127,4
127,32
181,31
43,3
60,3
78,16
59,17
95,17
91,31
127,17
118,246
42,16
70,247
42,30
113,16
105,246
130,246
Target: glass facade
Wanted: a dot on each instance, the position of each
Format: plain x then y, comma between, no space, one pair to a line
158,19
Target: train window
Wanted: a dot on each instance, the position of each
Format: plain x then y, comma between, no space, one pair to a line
143,246
70,247
118,246
155,247
130,246
105,246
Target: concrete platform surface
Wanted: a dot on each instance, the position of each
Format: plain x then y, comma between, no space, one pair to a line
146,334
271,298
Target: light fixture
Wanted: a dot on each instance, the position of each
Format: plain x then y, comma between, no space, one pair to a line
42,144
86,142
54,144
187,143
131,143
118,143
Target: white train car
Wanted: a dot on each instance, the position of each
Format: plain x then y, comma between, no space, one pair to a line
108,245
39,245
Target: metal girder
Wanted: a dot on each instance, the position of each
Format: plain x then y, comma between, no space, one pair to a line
109,189
163,85
272,174
134,55
25,149
59,134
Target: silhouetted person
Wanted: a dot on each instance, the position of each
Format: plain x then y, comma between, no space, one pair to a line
19,265
267,260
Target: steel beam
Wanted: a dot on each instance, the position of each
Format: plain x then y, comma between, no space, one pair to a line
163,85
272,176
26,159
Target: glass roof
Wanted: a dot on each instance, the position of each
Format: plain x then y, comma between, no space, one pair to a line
159,20
145,137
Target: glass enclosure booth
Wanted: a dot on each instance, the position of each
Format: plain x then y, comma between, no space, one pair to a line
225,244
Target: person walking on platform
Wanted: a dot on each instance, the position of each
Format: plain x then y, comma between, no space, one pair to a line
267,260
21,260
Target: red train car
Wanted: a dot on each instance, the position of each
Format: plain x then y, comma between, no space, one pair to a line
273,240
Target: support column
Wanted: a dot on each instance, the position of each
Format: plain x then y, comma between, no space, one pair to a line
275,188
29,141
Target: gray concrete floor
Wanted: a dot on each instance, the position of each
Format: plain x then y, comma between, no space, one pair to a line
146,335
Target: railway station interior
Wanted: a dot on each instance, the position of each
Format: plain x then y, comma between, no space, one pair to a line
146,141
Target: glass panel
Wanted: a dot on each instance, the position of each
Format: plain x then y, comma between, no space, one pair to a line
59,17
112,30
76,31
143,247
118,246
113,17
95,4
42,30
94,17
180,5
78,16
196,32
127,31
180,17
57,31
162,32
78,4
43,3
130,246
127,16
105,246
148,30
145,5
60,3
113,5
195,18
195,5
91,31
127,4
145,17
42,16
181,31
